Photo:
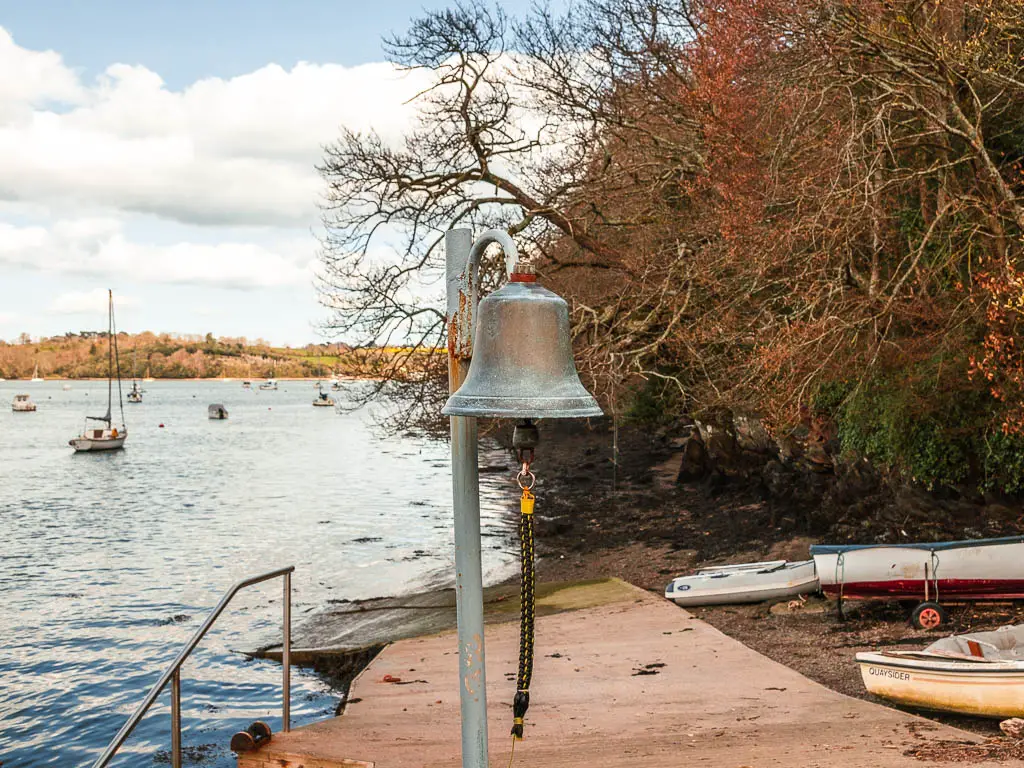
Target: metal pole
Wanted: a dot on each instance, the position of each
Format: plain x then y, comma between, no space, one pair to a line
469,600
176,719
286,658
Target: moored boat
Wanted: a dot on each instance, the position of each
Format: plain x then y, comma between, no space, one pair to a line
135,394
323,400
22,404
935,573
35,374
744,583
980,673
269,384
217,411
108,437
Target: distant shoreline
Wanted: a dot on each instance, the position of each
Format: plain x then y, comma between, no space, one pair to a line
208,378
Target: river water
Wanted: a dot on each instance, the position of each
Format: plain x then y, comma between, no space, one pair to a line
110,561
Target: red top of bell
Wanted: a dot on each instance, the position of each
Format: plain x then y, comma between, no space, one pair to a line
523,273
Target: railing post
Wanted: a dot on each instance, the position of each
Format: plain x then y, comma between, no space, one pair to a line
286,657
176,719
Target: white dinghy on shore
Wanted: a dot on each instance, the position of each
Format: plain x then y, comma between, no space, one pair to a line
980,673
744,583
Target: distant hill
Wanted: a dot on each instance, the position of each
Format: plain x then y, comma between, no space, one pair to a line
167,356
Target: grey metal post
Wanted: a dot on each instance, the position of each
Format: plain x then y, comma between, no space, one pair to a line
469,594
286,657
462,260
176,719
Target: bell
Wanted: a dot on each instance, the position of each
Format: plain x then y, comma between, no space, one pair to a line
522,363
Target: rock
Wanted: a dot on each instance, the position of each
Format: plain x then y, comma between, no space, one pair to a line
1014,727
789,448
779,480
797,548
751,434
694,464
721,443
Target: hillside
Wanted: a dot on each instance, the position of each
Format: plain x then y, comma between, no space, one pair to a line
168,356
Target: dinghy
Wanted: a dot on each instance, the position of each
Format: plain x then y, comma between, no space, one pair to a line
744,583
23,404
929,574
981,673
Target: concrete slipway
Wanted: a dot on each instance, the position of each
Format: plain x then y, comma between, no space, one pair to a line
622,678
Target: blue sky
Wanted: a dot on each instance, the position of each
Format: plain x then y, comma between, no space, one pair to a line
165,149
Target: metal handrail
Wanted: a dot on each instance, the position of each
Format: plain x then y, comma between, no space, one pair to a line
173,673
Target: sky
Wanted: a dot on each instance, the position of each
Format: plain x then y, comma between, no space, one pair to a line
166,150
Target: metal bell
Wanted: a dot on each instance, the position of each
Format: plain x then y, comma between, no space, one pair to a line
522,364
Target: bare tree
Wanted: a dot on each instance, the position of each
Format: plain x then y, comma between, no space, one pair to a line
517,130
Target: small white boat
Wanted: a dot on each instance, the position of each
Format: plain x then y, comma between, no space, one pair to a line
246,385
22,404
103,439
35,374
217,411
744,583
269,384
108,437
980,673
66,387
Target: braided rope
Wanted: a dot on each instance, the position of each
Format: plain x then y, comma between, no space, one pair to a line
527,615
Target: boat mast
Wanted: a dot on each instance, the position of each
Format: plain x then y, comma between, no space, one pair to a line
117,357
110,353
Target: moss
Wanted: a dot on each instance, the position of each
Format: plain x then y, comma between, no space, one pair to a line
930,423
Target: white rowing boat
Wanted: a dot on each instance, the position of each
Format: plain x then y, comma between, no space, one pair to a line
981,673
744,583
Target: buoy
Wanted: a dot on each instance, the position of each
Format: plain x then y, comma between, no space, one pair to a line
161,426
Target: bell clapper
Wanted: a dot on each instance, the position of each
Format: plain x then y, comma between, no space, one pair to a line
524,440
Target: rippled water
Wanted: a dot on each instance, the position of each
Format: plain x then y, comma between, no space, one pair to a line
110,561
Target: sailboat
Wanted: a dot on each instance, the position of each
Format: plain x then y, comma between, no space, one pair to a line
107,437
147,378
135,395
35,374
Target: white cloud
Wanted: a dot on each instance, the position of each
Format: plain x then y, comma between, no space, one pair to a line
99,248
234,151
88,303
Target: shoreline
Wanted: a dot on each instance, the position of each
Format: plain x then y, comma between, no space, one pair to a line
208,378
635,523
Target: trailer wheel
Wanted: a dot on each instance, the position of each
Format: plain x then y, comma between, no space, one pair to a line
928,616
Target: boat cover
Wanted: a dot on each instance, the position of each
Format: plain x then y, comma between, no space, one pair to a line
1003,644
937,546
